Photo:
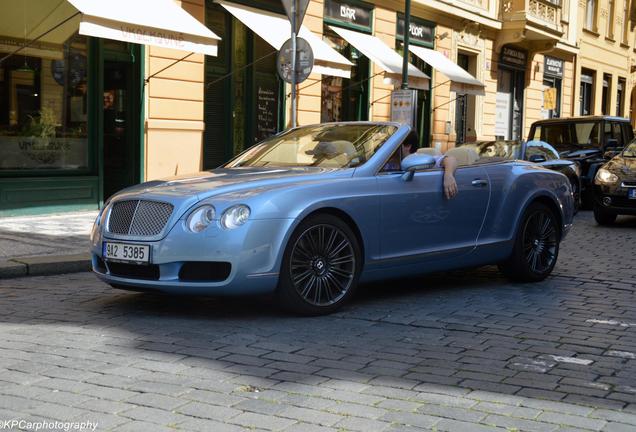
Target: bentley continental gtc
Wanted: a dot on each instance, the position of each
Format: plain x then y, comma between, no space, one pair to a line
314,211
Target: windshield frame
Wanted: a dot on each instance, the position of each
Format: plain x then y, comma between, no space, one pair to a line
323,142
632,152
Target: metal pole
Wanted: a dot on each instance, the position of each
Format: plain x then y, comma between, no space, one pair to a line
406,35
293,61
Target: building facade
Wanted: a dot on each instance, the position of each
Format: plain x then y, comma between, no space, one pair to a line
82,117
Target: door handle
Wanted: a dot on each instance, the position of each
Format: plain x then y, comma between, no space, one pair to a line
479,182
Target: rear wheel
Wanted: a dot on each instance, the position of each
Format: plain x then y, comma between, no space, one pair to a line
321,266
536,247
602,216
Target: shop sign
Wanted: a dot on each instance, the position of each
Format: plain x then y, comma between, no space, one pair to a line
513,57
420,31
553,66
352,13
403,106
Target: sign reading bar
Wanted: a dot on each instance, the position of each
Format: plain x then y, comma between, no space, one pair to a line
553,67
347,12
513,57
419,30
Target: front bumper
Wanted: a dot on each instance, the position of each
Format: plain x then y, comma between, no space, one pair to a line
253,252
614,199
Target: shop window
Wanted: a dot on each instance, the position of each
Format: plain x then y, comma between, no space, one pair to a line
345,99
605,94
43,110
586,93
620,96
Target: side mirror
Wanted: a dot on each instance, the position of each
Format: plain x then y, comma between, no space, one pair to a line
611,143
537,158
414,162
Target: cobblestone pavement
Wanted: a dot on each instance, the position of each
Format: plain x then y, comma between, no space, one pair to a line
461,351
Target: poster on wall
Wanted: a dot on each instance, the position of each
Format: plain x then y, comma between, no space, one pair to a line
403,106
502,116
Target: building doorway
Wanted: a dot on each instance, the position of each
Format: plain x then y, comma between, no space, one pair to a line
465,104
121,110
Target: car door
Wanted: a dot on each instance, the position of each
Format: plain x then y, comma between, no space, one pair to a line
417,221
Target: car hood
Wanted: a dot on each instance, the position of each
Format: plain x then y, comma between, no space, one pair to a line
624,165
221,181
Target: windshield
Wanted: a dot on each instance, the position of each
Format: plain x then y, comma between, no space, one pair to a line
569,136
327,146
630,150
492,151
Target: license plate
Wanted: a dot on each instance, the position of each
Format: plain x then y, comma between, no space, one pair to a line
127,252
632,193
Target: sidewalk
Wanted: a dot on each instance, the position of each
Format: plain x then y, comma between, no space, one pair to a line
46,244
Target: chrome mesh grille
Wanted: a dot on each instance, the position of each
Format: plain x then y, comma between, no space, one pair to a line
139,217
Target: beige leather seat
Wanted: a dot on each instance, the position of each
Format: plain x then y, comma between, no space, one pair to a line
464,155
429,151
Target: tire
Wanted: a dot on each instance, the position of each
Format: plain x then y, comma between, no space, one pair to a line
602,216
321,266
536,246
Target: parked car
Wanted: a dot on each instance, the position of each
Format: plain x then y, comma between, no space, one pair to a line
538,152
615,186
311,212
584,140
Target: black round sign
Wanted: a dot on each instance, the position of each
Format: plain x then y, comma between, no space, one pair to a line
304,60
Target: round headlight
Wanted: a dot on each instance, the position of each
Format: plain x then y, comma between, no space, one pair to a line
200,218
605,176
235,216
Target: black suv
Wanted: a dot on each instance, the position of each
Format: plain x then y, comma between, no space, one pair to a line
584,140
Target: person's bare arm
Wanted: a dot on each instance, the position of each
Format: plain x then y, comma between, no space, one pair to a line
449,163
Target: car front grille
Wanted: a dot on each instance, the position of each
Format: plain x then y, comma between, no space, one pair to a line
139,217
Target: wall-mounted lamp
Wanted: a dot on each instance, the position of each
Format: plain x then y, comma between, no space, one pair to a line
441,36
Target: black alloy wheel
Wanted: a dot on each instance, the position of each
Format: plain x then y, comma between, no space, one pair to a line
540,241
536,246
320,267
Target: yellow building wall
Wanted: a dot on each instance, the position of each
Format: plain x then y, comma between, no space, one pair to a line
174,108
605,53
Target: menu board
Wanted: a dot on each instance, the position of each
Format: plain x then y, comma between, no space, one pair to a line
266,111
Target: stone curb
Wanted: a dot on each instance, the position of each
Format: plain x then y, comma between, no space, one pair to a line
45,265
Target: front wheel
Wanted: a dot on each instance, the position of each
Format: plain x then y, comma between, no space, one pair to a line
321,266
602,216
536,247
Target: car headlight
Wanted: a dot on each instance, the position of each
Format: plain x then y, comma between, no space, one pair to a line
235,216
605,176
200,218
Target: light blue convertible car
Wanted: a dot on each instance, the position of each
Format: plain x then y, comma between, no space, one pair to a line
310,213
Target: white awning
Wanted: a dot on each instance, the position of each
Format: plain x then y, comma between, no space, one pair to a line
461,81
275,30
385,57
160,23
